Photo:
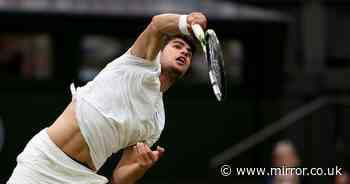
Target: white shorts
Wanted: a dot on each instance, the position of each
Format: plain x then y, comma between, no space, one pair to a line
42,162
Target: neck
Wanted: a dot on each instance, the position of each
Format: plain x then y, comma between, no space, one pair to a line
166,80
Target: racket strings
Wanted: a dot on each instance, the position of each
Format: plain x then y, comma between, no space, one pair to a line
216,60
213,54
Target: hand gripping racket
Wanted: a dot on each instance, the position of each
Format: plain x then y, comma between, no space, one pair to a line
214,57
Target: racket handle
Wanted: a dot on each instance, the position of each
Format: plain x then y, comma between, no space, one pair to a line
198,32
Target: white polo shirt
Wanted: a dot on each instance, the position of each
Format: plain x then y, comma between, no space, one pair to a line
121,106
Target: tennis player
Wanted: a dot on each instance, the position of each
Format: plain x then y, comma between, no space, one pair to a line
121,108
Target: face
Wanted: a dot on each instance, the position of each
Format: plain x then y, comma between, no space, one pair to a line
285,155
176,57
342,179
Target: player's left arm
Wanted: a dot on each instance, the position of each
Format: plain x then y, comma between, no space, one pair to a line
135,161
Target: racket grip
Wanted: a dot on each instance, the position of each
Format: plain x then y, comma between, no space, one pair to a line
198,32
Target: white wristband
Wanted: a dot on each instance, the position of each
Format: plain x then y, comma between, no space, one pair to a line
183,25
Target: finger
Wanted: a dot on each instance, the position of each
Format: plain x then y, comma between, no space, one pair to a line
198,18
146,147
191,20
151,157
160,149
141,154
132,147
145,160
137,148
205,21
158,153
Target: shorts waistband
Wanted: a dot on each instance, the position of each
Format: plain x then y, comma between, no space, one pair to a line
55,153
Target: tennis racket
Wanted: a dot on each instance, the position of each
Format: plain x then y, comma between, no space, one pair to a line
214,57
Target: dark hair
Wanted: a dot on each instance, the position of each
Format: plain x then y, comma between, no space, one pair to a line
188,39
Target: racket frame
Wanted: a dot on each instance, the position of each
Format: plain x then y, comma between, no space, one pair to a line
201,37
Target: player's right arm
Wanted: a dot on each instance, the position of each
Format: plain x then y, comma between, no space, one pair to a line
148,44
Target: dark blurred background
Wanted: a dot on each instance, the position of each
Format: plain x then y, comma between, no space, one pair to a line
287,64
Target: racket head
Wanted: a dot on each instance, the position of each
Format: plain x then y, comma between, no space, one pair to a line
216,67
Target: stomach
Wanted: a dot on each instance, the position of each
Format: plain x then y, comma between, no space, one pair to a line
66,134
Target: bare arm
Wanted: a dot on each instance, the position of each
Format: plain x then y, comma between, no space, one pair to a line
149,42
134,163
